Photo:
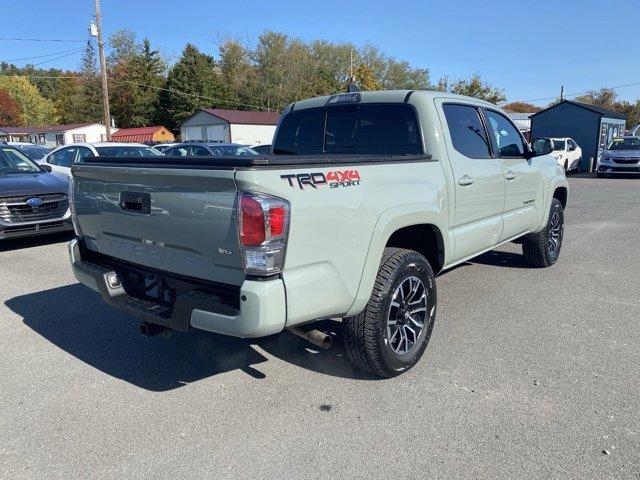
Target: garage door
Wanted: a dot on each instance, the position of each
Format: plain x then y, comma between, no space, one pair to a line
192,133
218,133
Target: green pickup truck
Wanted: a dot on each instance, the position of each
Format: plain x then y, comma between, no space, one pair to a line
364,199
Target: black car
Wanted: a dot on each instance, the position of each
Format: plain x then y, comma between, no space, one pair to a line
209,149
33,200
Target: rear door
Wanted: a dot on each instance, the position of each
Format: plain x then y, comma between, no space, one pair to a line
479,181
522,177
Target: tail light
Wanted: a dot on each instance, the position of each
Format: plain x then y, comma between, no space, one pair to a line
263,226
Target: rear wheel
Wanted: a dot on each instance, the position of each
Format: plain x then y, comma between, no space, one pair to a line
390,335
542,249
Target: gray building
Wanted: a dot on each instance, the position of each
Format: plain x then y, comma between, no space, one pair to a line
590,126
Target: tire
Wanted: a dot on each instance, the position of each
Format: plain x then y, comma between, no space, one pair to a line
372,342
600,175
542,249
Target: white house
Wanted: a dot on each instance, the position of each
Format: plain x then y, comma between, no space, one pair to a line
235,126
56,135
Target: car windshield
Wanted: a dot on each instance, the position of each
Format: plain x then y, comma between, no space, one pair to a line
13,161
558,144
132,151
34,153
232,151
625,144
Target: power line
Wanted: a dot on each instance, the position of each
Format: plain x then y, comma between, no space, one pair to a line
581,93
41,56
188,94
58,58
204,97
41,40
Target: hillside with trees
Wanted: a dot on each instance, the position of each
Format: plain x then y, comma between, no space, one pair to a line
266,74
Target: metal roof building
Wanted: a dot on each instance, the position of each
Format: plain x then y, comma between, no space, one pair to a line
592,127
143,134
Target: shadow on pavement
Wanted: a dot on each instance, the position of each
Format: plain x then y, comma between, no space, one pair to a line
75,319
35,241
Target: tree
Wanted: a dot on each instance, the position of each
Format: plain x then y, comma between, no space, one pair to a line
605,98
9,110
136,79
473,86
88,102
192,83
237,74
365,78
521,107
34,109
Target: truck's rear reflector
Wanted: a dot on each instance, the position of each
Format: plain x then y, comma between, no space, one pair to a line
263,227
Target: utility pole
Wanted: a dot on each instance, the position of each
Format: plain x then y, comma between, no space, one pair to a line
103,74
562,93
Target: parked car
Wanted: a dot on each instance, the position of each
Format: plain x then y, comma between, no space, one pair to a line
262,149
34,152
367,197
209,149
621,156
33,201
61,159
161,147
567,153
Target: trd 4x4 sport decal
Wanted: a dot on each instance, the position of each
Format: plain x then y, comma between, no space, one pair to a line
334,178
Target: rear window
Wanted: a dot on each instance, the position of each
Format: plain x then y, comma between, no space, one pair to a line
367,129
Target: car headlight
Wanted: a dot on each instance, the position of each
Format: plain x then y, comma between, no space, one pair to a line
605,159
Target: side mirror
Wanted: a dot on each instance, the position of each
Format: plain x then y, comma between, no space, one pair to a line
541,146
46,167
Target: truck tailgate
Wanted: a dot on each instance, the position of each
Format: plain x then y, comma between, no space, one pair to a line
170,219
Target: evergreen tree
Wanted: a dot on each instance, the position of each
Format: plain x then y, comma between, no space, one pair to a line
88,103
192,83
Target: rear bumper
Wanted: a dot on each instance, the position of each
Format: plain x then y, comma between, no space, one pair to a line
261,312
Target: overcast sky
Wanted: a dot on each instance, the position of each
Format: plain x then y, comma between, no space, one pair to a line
528,48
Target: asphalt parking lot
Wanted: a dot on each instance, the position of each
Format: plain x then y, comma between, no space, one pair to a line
530,373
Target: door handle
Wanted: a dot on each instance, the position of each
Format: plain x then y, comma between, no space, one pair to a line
465,181
509,175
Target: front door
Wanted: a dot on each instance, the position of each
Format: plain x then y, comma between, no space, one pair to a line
479,181
523,180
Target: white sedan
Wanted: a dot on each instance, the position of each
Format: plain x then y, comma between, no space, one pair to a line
567,153
61,158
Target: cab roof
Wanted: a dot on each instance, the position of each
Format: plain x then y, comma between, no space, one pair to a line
385,96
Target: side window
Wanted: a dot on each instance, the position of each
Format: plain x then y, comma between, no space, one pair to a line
467,131
64,157
507,137
198,151
83,153
176,152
